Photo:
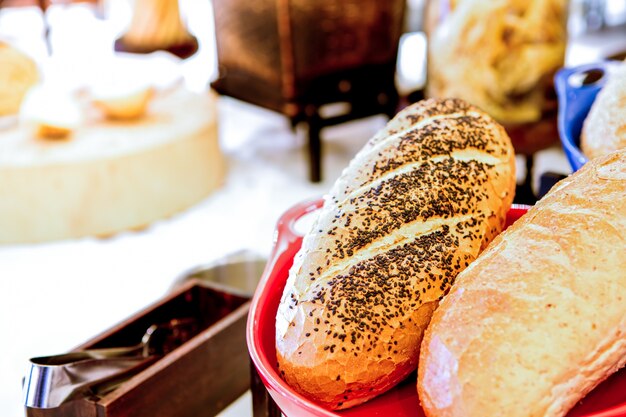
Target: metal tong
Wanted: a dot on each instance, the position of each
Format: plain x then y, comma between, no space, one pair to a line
92,373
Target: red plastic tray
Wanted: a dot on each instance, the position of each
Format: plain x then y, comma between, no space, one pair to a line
607,400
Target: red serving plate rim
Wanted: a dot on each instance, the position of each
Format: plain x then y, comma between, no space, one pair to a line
286,242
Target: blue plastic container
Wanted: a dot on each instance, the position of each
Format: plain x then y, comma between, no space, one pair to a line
577,89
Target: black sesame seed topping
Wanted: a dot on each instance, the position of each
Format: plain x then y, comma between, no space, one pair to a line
383,292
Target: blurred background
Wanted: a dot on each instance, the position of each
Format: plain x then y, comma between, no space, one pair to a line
142,139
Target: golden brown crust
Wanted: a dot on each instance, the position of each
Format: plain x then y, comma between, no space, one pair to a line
604,130
539,318
414,207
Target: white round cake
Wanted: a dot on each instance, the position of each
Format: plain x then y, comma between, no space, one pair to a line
109,176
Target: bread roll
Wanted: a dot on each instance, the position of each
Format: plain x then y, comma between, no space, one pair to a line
124,105
539,319
604,130
18,73
413,208
498,55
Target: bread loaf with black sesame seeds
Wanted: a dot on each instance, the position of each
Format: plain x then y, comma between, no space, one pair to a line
539,319
414,207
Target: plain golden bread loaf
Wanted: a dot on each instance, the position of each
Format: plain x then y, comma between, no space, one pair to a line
604,130
414,207
539,318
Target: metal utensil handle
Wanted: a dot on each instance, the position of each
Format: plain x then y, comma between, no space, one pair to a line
54,380
90,354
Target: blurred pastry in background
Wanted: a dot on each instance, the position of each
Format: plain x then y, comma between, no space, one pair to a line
18,73
111,176
499,55
50,112
604,129
129,104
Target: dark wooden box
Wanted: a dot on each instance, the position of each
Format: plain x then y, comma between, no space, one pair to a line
199,378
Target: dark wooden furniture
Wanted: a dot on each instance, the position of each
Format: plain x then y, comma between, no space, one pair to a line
262,403
296,57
